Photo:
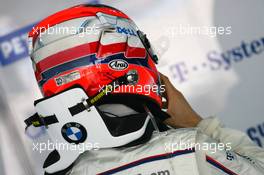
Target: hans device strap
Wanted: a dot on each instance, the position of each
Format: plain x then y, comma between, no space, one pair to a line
37,120
130,78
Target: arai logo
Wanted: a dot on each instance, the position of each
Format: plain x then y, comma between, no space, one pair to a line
118,65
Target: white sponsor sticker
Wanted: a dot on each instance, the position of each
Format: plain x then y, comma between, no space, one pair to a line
67,78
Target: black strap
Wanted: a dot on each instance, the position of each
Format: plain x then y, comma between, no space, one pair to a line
77,109
80,107
37,120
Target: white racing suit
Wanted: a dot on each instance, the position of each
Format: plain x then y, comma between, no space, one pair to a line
208,149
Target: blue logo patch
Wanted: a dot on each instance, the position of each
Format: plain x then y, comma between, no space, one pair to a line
74,133
127,31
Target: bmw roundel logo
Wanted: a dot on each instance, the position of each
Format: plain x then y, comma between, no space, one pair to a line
74,132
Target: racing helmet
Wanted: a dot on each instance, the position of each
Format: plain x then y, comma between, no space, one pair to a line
90,45
86,56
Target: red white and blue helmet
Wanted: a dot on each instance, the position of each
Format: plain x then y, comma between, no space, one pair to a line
89,46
